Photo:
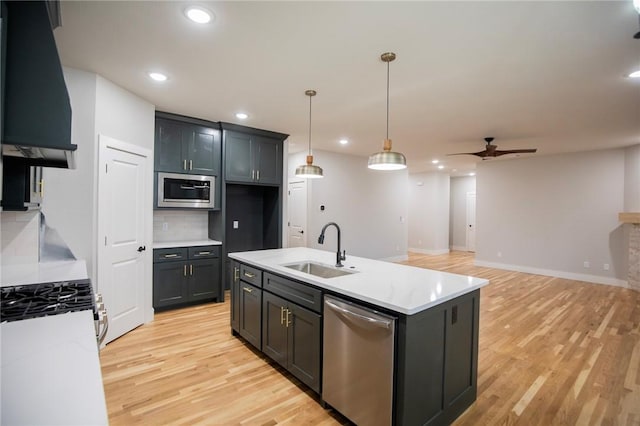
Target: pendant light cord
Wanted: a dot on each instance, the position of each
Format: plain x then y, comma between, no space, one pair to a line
310,124
387,100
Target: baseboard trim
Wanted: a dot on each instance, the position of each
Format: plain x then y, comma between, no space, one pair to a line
459,248
424,251
553,273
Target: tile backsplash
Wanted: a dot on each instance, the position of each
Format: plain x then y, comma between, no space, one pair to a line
180,225
20,237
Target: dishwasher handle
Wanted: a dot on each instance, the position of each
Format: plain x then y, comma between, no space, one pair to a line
373,321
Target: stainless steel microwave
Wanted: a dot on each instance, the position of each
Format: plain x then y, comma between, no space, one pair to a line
186,191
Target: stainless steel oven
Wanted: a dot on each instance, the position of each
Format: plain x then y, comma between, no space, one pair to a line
186,191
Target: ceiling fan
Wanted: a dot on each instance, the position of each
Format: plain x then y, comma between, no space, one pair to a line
492,151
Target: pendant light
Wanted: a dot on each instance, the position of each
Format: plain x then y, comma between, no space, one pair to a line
387,159
309,170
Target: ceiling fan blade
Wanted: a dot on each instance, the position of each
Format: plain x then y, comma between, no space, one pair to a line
479,153
515,151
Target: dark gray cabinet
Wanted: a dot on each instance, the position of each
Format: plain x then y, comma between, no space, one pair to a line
184,147
186,275
291,337
251,158
246,303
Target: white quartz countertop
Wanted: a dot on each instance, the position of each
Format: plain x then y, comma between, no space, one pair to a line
51,372
34,273
400,288
185,243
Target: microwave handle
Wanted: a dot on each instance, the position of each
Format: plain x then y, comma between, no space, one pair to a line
194,187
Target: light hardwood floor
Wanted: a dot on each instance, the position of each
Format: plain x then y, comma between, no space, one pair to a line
551,352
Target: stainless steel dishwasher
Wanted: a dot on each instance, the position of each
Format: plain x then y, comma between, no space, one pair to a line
357,374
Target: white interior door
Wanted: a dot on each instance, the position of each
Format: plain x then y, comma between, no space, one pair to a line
122,248
297,193
471,221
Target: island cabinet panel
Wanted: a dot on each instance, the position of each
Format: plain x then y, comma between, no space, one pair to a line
291,337
251,314
235,296
299,293
437,362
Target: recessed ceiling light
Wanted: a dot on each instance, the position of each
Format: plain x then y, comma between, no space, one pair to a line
158,76
472,174
435,161
343,141
441,167
242,115
635,74
198,15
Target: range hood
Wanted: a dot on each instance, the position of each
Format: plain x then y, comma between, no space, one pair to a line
37,111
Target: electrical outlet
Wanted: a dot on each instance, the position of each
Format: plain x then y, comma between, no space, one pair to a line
401,219
235,224
499,254
605,266
586,264
165,226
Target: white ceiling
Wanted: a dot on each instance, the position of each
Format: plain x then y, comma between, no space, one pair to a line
550,75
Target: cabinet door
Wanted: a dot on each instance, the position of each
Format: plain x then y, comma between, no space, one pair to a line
238,157
204,279
168,146
268,161
202,150
274,328
304,346
235,296
169,283
251,314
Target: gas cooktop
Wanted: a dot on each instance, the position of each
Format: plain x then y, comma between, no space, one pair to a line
38,300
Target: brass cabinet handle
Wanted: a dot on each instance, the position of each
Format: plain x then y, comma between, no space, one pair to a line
282,315
249,274
288,318
184,165
258,175
41,185
247,289
170,255
190,164
236,274
185,270
191,270
253,174
204,252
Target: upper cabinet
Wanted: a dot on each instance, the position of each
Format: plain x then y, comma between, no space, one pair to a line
252,156
187,147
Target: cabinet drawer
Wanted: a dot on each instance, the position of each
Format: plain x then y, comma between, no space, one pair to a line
170,254
204,252
296,292
251,275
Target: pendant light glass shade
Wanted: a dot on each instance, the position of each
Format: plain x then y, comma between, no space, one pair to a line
309,170
387,159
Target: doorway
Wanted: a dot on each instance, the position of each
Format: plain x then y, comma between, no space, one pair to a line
297,202
471,221
124,237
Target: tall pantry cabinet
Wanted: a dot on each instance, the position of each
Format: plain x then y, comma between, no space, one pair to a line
250,217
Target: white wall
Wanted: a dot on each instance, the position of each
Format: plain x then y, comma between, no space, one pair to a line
19,237
370,206
429,213
549,214
71,196
632,179
459,188
180,225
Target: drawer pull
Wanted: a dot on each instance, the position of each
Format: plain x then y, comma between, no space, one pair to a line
236,274
204,252
288,318
167,256
249,274
185,270
247,289
191,270
282,315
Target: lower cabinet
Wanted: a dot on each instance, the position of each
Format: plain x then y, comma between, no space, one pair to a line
185,274
250,310
291,337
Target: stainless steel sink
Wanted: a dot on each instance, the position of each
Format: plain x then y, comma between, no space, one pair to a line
319,270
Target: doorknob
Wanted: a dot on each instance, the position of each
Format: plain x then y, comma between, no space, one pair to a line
141,249
301,231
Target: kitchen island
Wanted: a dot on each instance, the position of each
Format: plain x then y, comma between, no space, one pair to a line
278,308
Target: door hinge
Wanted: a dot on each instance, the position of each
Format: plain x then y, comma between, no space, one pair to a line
288,223
105,240
106,167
